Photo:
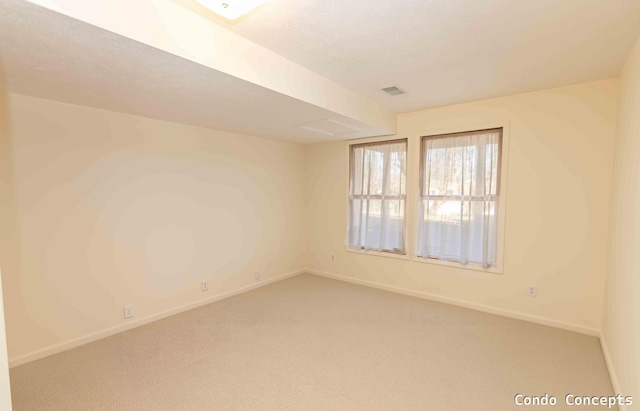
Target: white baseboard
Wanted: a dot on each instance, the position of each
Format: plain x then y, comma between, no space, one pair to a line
615,382
461,303
67,345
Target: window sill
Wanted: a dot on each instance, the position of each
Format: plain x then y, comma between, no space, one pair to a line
378,254
454,264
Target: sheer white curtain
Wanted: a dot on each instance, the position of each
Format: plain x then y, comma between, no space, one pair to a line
458,205
377,196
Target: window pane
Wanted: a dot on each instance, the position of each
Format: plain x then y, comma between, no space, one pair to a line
377,190
457,230
460,165
459,194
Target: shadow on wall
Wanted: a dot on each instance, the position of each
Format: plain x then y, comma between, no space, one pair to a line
9,237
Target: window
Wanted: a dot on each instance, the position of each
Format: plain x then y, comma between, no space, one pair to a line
459,193
377,196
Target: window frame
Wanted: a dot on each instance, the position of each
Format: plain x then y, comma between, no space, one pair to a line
407,197
413,192
501,190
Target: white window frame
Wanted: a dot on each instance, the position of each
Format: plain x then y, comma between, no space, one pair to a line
414,180
408,199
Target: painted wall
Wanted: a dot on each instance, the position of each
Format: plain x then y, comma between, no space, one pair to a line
5,167
621,326
557,208
102,209
5,386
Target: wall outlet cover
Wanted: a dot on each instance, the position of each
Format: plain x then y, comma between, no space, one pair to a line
128,311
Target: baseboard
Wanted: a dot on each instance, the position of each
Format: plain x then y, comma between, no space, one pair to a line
461,303
615,382
76,342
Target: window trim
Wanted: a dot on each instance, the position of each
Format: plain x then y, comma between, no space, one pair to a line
413,194
407,196
498,267
386,254
495,198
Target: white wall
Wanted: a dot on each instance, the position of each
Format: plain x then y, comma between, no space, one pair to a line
557,208
102,209
5,389
621,326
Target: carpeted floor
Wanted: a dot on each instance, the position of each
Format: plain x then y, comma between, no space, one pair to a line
311,343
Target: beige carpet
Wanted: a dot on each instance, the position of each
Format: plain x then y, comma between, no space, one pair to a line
310,343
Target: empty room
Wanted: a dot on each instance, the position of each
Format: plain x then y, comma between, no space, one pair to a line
319,205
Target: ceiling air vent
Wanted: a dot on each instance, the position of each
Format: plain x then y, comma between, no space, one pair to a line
393,91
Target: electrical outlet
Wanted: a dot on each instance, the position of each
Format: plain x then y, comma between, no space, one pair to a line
128,311
204,286
532,290
258,274
333,258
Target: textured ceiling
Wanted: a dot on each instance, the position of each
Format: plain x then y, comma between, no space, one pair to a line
439,51
446,51
48,55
